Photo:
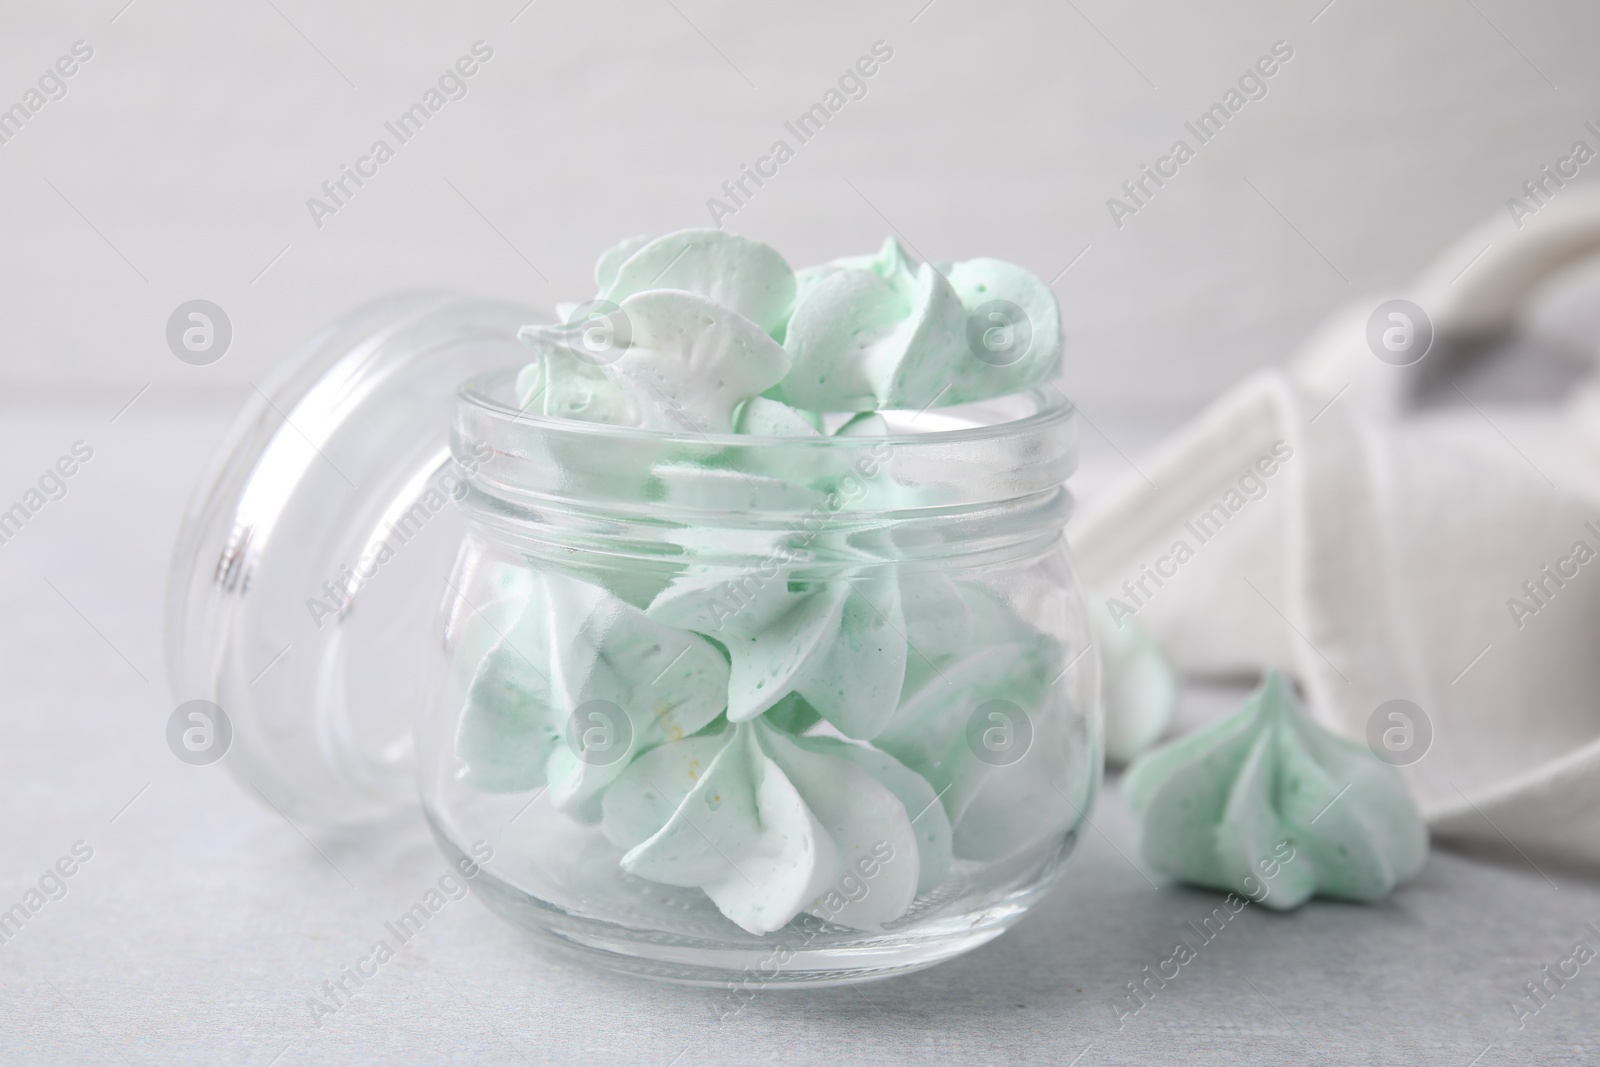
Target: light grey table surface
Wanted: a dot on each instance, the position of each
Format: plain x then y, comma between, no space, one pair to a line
204,922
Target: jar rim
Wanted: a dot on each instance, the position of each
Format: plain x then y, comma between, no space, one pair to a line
984,453
486,397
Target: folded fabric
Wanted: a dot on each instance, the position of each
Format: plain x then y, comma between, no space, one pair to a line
1398,533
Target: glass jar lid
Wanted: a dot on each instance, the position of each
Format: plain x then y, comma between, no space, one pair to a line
311,563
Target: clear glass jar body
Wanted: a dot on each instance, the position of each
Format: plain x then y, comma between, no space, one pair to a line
697,684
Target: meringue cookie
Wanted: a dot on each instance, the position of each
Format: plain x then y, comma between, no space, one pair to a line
938,618
772,418
1140,690
863,424
690,362
838,642
559,382
872,332
871,336
696,485
610,262
995,809
1008,352
730,274
1217,803
767,828
841,640
889,262
928,816
742,275
572,643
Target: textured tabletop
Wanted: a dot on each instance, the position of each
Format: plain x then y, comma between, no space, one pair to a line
202,922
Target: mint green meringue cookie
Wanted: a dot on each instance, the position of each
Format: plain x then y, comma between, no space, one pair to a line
557,382
841,638
863,424
1141,690
572,643
875,332
889,263
691,362
742,275
696,485
996,808
609,263
688,339
862,333
1219,805
838,643
769,826
1019,351
764,417
874,335
928,816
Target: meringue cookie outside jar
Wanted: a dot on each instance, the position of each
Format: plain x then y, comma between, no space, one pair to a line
749,709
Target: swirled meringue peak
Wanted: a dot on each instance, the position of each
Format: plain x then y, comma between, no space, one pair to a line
874,332
689,330
572,645
1267,803
768,824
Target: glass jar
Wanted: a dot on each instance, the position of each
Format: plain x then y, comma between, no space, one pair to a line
706,707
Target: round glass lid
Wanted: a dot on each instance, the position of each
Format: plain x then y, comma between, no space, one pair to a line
312,561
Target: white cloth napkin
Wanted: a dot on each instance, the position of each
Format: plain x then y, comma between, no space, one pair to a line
1370,528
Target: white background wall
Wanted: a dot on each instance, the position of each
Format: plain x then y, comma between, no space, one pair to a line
179,163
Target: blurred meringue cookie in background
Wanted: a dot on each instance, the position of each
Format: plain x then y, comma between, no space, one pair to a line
1140,689
1407,512
1267,803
